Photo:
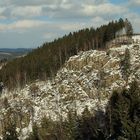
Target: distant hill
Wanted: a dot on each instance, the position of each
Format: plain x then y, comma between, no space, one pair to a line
15,49
10,53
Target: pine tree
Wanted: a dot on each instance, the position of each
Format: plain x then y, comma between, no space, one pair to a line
125,65
10,132
70,126
128,28
124,114
9,124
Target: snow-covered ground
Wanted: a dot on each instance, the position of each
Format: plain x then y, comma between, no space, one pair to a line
86,79
136,38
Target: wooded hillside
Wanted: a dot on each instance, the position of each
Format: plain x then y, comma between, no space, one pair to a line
46,60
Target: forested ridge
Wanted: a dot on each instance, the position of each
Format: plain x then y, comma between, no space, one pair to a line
46,60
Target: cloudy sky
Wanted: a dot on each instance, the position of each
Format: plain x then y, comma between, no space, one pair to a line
29,23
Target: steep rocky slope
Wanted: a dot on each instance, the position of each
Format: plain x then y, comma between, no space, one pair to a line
86,79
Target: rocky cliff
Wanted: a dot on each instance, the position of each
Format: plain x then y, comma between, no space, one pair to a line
86,80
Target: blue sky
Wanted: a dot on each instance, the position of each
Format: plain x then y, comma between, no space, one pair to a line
30,23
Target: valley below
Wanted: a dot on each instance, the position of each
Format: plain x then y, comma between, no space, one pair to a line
7,53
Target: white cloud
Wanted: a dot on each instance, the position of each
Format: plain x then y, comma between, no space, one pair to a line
72,27
36,21
98,21
134,3
28,2
50,8
20,25
51,27
29,11
50,36
1,13
135,20
103,9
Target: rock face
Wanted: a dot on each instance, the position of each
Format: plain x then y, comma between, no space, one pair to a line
86,79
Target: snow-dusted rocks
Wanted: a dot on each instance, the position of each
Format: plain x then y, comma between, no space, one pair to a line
136,38
86,79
